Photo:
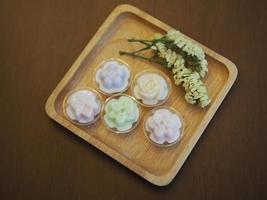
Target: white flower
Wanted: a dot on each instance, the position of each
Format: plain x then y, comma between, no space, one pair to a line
163,126
151,88
196,92
191,49
112,77
83,106
203,69
186,44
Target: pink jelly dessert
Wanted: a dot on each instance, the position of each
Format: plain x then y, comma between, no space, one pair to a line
164,126
83,106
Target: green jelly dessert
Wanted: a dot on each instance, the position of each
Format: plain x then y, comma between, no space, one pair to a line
121,113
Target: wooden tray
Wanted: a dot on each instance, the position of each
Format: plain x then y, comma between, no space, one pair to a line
155,164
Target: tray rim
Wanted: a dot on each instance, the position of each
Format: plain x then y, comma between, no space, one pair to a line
157,180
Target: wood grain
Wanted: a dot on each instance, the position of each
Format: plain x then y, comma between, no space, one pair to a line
157,165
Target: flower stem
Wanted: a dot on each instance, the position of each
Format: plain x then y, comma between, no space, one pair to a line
145,42
139,50
141,57
139,40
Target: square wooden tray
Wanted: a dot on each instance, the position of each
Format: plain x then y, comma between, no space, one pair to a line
155,164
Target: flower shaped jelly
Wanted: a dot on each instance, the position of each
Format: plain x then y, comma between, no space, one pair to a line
83,106
121,114
151,88
164,126
112,77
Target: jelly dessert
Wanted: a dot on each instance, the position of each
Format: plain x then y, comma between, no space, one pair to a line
163,126
121,114
83,106
112,76
151,88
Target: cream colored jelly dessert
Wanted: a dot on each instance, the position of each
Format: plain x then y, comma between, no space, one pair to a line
164,126
83,106
112,76
151,88
121,114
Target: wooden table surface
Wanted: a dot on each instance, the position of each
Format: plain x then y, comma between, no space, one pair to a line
39,40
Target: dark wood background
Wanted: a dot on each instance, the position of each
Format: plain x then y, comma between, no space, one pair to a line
39,40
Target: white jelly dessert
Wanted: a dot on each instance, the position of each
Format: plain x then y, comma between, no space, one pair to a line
112,76
151,88
121,113
164,126
83,106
